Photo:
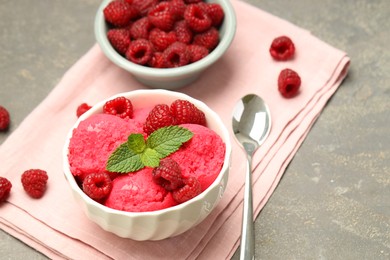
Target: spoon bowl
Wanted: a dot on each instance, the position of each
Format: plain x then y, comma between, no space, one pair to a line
251,125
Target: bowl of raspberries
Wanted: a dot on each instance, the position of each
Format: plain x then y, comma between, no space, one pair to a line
165,44
148,164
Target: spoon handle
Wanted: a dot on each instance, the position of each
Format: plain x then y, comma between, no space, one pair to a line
247,250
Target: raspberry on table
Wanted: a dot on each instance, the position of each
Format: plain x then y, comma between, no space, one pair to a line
119,106
119,13
161,39
176,55
162,16
208,39
289,83
34,182
168,174
4,119
5,188
190,190
197,18
140,51
82,108
282,48
185,112
159,116
97,185
119,39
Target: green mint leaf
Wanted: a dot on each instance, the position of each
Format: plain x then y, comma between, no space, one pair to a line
150,158
124,160
136,143
168,139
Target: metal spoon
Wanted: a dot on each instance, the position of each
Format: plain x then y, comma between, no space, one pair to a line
251,126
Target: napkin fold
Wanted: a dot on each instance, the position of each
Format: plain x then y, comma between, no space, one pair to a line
58,227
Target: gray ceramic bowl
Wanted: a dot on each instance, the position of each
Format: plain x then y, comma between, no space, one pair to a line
172,78
159,224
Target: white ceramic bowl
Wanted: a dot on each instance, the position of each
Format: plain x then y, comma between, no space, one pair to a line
158,224
171,78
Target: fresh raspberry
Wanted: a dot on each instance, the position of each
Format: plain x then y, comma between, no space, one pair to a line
162,16
197,52
140,29
168,174
208,39
97,185
215,12
119,106
282,48
34,182
288,83
140,51
183,32
144,6
157,60
119,39
119,13
4,119
192,1
159,116
178,7
161,39
197,18
190,190
82,108
185,112
5,188
176,55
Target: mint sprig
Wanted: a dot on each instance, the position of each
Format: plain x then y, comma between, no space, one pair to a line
137,153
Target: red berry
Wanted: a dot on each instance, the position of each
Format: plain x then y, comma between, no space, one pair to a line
34,182
144,6
140,51
119,106
178,7
282,48
190,190
215,12
208,39
192,1
176,55
119,39
81,109
168,174
162,16
183,32
119,13
197,18
288,83
161,39
5,188
140,29
97,185
197,52
157,60
4,119
185,112
159,116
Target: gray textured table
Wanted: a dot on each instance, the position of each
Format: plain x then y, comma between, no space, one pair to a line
333,201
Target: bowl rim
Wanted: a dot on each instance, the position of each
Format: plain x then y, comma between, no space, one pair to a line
137,93
230,21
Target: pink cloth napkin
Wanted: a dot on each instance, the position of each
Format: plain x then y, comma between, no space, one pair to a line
58,227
